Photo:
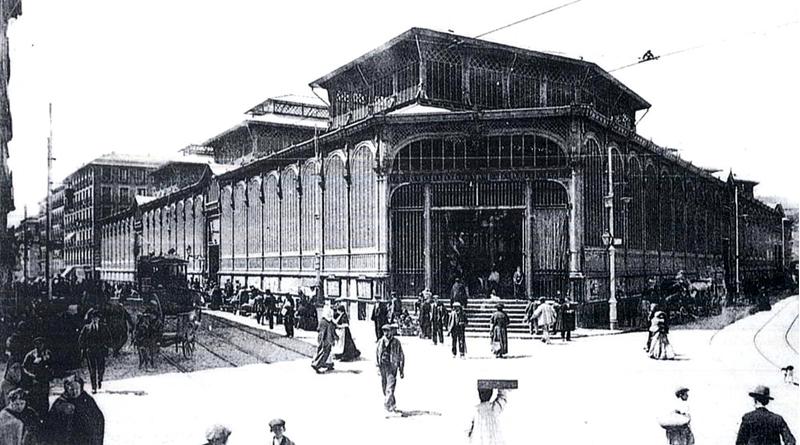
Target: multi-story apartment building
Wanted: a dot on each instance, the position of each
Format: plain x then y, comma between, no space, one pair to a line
98,189
27,240
56,231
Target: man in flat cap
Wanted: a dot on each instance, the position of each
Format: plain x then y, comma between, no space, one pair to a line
390,360
277,427
762,427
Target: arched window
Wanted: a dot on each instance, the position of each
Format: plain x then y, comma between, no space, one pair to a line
335,204
272,215
593,192
618,173
362,198
308,183
651,208
691,217
240,224
488,152
254,213
636,207
666,211
290,212
679,192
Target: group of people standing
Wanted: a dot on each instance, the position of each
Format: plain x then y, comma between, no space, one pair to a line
28,418
548,316
334,339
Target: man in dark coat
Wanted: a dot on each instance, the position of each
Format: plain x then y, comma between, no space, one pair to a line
326,338
94,340
269,308
395,308
566,319
762,427
380,317
458,293
529,318
425,314
438,320
456,326
74,417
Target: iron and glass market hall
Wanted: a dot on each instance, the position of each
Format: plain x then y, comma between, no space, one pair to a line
448,157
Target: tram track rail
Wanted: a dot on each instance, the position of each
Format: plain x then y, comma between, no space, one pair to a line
785,335
216,354
788,331
174,363
258,334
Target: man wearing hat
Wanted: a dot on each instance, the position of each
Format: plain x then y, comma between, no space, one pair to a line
762,427
36,366
277,427
438,319
456,326
390,360
93,341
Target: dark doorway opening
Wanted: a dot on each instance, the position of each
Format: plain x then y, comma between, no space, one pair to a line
483,247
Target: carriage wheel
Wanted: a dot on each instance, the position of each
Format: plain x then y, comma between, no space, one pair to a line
188,347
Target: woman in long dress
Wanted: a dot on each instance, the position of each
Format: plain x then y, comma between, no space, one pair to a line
346,349
660,349
499,332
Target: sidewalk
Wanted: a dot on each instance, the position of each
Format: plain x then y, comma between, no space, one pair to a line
364,330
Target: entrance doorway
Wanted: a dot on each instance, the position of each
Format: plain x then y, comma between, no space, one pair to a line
483,247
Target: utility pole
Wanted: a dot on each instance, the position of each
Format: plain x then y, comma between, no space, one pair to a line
736,212
47,207
612,270
25,242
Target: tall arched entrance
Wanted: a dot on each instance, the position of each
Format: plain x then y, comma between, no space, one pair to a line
476,224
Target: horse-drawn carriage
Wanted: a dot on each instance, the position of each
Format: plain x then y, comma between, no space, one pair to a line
685,299
161,281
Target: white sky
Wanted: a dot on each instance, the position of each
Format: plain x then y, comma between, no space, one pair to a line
149,76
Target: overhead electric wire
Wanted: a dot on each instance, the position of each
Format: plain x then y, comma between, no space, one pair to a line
703,45
564,5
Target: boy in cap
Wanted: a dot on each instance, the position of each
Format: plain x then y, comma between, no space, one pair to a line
277,427
762,427
390,360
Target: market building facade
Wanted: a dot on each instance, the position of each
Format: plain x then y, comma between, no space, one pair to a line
448,157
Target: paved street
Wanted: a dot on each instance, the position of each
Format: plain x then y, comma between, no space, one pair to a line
596,390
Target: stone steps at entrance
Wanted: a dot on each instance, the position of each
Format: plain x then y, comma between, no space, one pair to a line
479,312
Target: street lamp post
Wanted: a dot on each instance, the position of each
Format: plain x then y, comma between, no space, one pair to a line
608,240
